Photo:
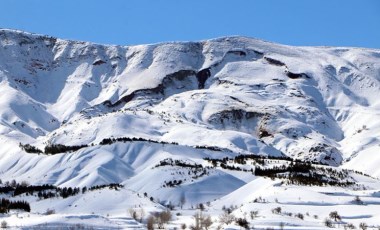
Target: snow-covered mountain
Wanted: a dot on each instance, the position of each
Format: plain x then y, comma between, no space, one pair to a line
148,116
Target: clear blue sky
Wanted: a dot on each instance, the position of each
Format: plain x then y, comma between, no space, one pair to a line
126,22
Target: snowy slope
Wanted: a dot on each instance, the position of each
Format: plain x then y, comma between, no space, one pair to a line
185,101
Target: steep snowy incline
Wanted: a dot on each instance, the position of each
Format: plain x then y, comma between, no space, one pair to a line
243,95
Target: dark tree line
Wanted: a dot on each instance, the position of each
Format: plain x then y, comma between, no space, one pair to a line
296,167
242,159
109,141
30,190
6,205
30,148
304,173
59,148
212,148
49,191
292,170
194,170
51,149
110,186
172,183
179,163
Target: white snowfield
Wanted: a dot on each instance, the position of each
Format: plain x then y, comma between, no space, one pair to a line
176,104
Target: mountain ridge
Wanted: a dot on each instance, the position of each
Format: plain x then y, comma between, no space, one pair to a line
128,92
116,114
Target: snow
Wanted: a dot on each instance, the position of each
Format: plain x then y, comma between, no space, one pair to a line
60,92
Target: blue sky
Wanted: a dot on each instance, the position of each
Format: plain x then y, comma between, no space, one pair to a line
127,22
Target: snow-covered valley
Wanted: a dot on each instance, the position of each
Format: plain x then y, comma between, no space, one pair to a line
276,135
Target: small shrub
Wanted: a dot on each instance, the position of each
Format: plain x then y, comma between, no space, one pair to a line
163,218
363,226
300,216
133,213
49,211
242,222
206,222
4,224
357,200
328,223
334,215
349,226
276,210
226,218
254,214
201,221
150,223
